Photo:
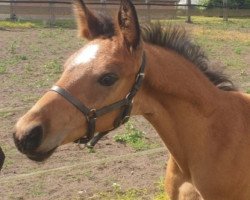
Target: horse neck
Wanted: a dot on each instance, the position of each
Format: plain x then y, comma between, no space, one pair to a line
177,99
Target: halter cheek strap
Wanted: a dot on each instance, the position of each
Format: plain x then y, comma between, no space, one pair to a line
92,114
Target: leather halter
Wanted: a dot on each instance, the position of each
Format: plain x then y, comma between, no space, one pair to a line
92,114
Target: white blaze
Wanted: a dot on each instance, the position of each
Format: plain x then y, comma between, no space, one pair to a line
87,54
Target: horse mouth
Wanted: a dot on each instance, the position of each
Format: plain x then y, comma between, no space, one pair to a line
41,156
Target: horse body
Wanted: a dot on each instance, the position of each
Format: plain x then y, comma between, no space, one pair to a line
205,128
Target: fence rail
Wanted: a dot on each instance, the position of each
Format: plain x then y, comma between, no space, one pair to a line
52,10
159,3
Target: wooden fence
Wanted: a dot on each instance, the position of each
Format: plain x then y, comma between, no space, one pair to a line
53,10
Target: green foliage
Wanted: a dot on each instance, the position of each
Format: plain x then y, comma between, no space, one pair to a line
133,137
23,57
10,62
118,194
231,3
3,68
65,24
13,47
18,24
161,194
5,114
91,150
53,67
36,24
248,91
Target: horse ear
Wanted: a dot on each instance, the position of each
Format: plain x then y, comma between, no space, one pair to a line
129,24
91,26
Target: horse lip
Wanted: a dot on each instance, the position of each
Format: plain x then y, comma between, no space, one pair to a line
2,158
41,156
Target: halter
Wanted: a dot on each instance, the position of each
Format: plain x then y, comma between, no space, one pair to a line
92,114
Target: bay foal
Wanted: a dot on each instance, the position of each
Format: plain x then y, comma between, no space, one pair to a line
202,119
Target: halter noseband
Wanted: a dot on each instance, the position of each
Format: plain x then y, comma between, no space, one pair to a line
92,114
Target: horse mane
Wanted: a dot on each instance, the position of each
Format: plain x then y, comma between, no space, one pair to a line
176,38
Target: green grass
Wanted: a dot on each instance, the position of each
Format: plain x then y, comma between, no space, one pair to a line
214,22
131,194
5,114
13,47
37,189
217,36
53,67
23,24
3,68
19,24
118,193
8,62
134,138
160,194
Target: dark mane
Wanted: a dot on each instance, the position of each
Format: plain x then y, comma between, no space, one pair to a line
106,26
176,38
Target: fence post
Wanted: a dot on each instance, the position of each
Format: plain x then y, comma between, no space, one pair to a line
188,20
13,16
148,11
225,10
103,2
52,17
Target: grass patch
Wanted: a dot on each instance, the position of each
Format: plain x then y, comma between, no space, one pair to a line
248,91
131,194
13,47
3,68
19,24
8,62
214,22
24,24
5,114
217,36
160,194
134,138
53,67
70,23
37,189
134,194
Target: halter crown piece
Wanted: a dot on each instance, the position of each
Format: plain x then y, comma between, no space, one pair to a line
92,114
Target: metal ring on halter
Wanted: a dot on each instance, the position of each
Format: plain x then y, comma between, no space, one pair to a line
92,114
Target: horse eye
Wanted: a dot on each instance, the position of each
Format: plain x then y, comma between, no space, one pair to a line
108,79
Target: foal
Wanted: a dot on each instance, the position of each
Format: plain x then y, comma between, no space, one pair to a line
203,121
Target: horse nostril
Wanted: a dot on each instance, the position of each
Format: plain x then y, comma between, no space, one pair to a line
33,138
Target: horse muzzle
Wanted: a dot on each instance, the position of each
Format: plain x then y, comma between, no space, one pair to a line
28,143
40,156
2,158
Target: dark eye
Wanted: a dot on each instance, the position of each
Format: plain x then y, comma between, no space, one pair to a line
108,79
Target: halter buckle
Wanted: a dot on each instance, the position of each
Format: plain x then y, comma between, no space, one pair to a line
140,76
91,114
